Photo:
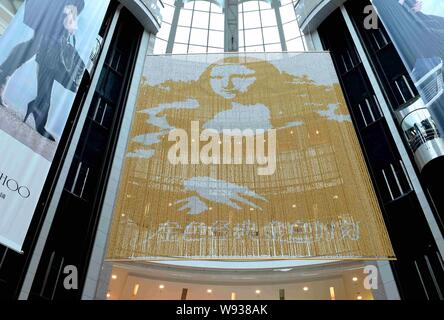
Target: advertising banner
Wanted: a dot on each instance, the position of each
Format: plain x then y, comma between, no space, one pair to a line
43,55
244,156
417,30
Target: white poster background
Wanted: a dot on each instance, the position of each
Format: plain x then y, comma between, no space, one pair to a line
20,165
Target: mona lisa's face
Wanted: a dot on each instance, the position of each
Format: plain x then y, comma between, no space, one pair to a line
228,80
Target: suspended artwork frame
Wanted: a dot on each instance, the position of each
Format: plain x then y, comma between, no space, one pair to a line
317,203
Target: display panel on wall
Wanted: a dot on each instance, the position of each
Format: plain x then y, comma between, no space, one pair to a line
244,156
43,56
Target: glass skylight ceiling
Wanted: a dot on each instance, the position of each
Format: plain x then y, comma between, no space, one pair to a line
200,28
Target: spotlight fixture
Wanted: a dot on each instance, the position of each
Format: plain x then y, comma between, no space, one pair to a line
359,297
209,291
108,295
305,288
258,291
161,287
355,279
114,277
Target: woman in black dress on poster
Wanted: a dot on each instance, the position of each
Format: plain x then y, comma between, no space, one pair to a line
54,23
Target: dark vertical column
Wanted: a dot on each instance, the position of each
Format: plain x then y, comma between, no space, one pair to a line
73,230
184,294
13,266
281,294
417,271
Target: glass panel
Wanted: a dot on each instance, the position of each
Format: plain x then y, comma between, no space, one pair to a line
202,5
264,5
291,30
216,8
197,49
200,19
180,48
271,35
268,18
189,5
215,50
252,20
241,20
255,49
167,13
295,45
216,39
182,34
253,37
217,22
273,47
164,32
251,5
241,38
199,37
160,46
184,18
287,13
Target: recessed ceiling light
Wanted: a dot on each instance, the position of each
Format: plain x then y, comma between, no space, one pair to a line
335,197
251,209
359,297
123,214
108,295
209,291
161,286
258,291
114,277
355,279
170,204
294,206
317,131
305,288
291,132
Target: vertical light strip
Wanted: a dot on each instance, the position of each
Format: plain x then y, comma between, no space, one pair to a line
332,293
136,289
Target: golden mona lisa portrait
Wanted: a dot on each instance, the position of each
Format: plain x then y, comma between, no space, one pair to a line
282,113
